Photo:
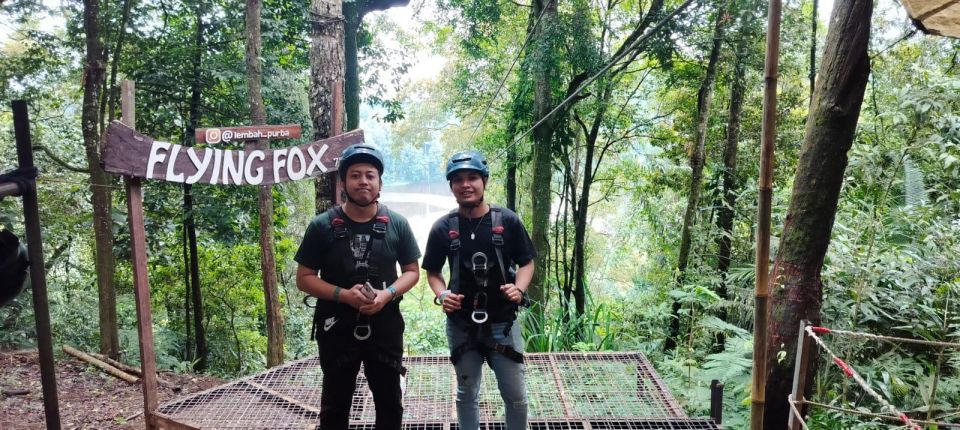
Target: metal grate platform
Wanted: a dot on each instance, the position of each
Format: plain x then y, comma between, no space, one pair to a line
566,391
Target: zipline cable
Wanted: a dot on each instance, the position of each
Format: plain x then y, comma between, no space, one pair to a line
604,69
507,74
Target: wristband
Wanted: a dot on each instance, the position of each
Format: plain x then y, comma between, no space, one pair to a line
336,294
439,299
393,291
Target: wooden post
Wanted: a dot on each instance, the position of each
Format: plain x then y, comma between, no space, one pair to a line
336,129
804,351
716,401
768,139
38,273
141,285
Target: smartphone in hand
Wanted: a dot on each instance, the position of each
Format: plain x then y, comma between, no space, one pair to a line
368,291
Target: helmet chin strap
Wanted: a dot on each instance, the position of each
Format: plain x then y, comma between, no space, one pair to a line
470,205
351,200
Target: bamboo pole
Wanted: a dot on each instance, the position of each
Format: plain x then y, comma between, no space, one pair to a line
768,139
106,367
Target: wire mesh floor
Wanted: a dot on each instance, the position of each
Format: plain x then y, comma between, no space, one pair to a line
566,391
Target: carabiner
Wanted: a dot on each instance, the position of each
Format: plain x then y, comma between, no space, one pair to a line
357,330
479,316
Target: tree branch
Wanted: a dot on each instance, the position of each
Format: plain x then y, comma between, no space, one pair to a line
60,161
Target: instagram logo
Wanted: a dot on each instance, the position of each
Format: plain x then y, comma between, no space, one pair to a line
213,135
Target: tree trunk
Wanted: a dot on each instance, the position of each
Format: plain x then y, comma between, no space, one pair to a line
729,175
189,226
545,76
813,49
268,265
583,202
697,155
353,13
795,286
99,183
188,343
510,185
326,71
114,65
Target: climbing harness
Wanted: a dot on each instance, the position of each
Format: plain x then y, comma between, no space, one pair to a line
361,260
480,266
480,314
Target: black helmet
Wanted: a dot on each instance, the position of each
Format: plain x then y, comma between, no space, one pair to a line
359,153
467,160
13,266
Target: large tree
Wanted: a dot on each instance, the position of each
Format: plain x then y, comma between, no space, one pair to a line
93,69
258,116
697,160
545,76
326,74
795,287
193,294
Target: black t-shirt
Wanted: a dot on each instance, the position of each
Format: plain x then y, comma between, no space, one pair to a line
517,249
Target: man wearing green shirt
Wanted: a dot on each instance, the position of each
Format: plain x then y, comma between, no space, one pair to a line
348,260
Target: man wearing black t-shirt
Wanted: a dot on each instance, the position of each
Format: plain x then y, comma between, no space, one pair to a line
348,261
483,244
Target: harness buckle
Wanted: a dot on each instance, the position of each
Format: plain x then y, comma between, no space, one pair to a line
362,331
380,228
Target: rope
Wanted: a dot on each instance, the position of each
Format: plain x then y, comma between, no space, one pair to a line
796,413
824,330
506,75
608,66
869,414
847,370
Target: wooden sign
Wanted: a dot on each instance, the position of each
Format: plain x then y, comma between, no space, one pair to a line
129,153
257,132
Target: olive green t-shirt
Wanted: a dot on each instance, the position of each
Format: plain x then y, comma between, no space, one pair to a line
319,251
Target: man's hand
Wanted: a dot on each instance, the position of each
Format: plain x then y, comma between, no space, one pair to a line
512,293
383,297
451,302
354,297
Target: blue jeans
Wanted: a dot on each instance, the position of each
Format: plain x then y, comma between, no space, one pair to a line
509,376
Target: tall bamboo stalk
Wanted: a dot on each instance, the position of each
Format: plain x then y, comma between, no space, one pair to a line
768,138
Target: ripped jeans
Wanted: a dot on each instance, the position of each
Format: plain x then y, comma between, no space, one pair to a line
509,375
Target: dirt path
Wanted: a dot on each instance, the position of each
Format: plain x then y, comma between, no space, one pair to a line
89,399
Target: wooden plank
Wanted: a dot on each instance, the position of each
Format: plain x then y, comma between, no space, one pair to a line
253,132
141,284
129,153
38,273
162,422
9,189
